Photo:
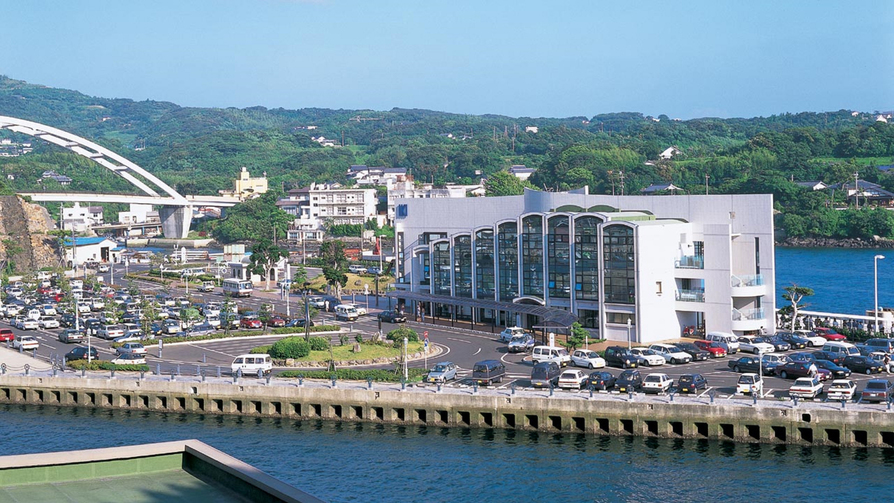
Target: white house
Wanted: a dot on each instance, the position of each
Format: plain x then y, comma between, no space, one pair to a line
521,171
669,153
88,249
81,218
317,204
138,214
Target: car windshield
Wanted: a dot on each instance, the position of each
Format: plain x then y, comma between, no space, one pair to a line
673,349
746,380
647,352
876,385
517,338
653,378
569,375
685,379
440,368
538,373
836,385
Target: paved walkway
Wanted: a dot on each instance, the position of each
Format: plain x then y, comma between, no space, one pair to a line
15,361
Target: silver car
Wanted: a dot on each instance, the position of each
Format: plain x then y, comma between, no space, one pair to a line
521,343
442,372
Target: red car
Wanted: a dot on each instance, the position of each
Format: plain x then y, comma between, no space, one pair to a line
276,321
829,334
712,347
250,323
7,335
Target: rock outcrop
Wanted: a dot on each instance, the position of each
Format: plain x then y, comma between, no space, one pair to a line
25,242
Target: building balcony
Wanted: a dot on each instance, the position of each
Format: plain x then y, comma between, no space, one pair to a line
690,262
748,286
690,295
748,319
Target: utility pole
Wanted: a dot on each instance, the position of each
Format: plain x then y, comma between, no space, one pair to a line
706,184
857,190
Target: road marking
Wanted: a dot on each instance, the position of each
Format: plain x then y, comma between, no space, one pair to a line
458,340
476,352
709,388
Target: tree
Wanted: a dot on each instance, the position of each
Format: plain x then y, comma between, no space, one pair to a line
264,256
577,336
504,183
253,220
795,294
299,278
335,265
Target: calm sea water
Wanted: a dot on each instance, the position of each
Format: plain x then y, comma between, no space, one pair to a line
365,462
842,279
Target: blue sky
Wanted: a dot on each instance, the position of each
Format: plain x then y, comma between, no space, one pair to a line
519,58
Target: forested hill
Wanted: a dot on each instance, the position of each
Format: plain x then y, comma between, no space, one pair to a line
199,150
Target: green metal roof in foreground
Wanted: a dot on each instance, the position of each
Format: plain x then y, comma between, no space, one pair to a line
188,471
550,315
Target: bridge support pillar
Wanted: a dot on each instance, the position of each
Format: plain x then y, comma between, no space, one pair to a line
175,221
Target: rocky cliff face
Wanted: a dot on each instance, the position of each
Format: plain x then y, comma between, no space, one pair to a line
24,239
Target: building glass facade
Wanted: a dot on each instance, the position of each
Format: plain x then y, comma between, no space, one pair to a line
440,265
619,258
586,257
507,250
462,266
558,257
484,264
532,255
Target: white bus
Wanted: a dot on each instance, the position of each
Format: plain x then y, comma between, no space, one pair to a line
237,287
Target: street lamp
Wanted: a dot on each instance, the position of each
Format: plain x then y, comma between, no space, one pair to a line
877,258
628,333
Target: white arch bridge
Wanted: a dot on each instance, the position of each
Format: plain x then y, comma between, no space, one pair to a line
175,210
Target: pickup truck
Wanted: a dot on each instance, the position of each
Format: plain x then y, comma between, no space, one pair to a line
806,387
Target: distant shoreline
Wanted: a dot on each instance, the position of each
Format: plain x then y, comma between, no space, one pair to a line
834,243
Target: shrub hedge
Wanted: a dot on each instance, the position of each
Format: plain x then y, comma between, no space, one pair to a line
398,334
319,344
240,333
105,365
290,347
379,375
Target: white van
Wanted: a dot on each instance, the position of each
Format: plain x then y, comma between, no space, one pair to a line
551,354
841,349
250,364
729,340
346,312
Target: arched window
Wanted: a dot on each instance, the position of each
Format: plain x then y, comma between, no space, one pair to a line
484,264
586,257
440,268
507,251
462,265
532,255
558,251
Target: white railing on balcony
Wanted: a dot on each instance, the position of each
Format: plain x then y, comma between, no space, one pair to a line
748,314
741,281
690,295
690,262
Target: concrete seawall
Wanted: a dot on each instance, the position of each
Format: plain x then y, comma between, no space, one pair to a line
808,423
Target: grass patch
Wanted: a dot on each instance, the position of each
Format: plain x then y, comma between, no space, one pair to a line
368,351
105,365
355,283
237,334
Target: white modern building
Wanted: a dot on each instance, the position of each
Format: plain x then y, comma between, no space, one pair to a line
320,203
81,218
427,191
643,267
89,250
138,214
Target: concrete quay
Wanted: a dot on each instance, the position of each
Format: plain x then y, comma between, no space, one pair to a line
767,421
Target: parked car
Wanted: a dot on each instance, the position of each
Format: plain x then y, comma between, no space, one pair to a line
110,331
129,359
830,334
250,323
507,333
806,387
691,383
797,368
795,340
587,358
750,383
657,383
881,344
6,334
836,371
572,379
29,324
629,380
779,343
651,358
697,354
487,372
80,353
601,380
716,349
749,364
26,342
545,374
521,343
880,358
70,335
877,390
207,286
813,340
750,344
836,358
863,364
621,357
841,389
298,322
275,321
48,322
551,354
671,353
131,347
392,317
442,372
357,269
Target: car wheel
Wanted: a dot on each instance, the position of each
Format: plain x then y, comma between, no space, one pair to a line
591,366
783,374
810,344
736,368
573,363
868,371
